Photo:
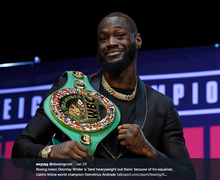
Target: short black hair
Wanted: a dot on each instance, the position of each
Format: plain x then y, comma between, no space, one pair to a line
128,19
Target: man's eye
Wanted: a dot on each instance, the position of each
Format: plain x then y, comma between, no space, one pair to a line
120,35
102,38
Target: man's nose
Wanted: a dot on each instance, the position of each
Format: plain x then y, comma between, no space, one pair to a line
112,42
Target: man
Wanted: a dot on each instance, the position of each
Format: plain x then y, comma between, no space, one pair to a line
149,127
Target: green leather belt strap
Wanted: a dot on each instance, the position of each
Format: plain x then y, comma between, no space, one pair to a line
82,113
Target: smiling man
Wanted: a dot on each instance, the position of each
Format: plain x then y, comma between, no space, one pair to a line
149,126
118,41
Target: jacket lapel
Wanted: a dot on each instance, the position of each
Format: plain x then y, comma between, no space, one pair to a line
141,104
94,80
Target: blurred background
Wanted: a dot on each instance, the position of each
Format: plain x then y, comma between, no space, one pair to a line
59,30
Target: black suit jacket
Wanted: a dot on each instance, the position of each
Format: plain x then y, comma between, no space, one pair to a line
155,113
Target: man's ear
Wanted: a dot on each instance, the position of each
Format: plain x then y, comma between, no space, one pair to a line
138,41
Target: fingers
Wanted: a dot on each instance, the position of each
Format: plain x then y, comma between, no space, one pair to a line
125,126
121,137
123,129
128,128
70,149
128,134
82,152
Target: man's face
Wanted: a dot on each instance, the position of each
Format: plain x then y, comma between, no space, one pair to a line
116,44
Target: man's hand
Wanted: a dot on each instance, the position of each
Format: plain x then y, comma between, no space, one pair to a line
132,137
69,149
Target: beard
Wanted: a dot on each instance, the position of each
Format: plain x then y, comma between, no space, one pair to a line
122,64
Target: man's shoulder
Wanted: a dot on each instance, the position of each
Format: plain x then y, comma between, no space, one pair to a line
156,95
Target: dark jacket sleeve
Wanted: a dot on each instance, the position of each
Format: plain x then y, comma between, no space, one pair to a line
38,131
173,148
167,135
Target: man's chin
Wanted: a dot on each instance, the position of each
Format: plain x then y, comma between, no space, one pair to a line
116,67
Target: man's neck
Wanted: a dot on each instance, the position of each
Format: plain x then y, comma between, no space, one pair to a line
124,80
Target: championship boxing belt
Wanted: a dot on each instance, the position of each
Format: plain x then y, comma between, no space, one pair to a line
80,112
